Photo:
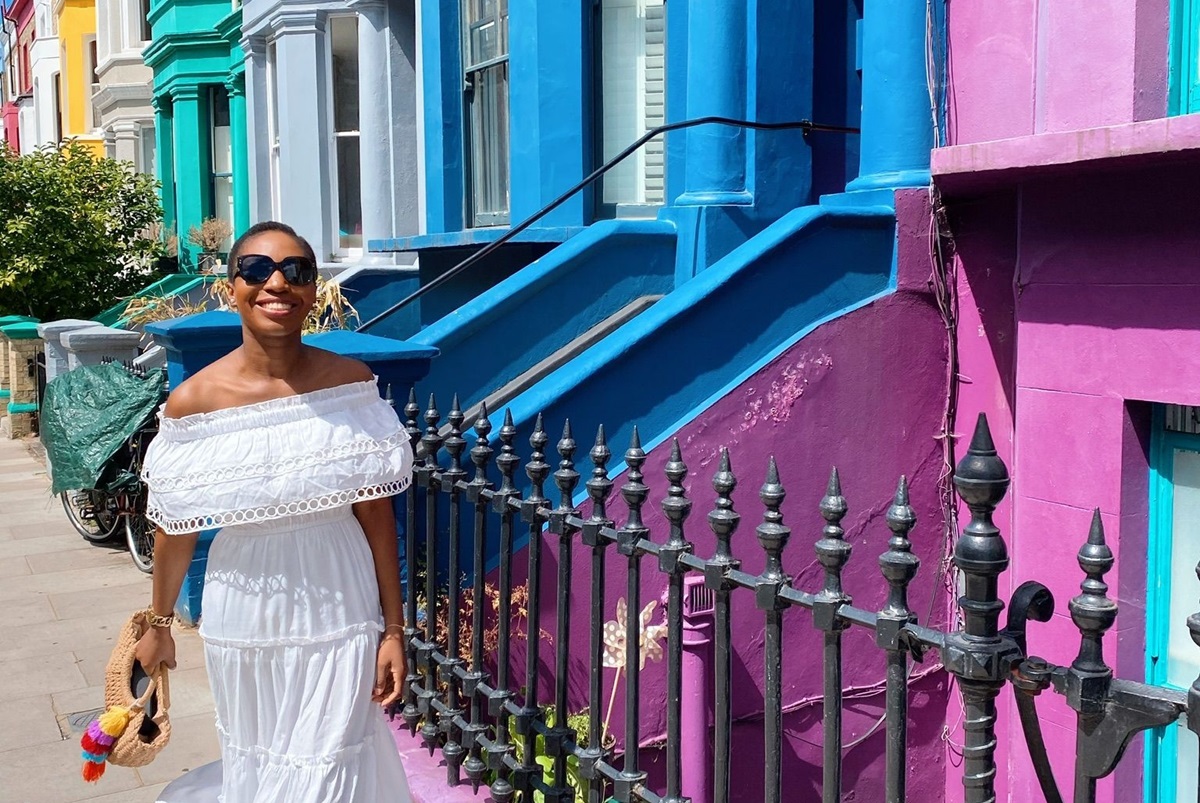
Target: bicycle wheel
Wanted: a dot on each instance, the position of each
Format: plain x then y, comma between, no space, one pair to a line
139,535
93,514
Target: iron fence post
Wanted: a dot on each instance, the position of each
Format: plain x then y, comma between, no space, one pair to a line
481,456
599,487
560,738
502,789
978,655
431,481
773,536
833,552
899,567
634,492
410,713
452,477
677,508
723,521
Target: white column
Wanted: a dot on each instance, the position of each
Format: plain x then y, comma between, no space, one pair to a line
374,124
258,166
125,136
405,121
305,130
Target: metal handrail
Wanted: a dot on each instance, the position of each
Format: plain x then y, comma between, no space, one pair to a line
804,125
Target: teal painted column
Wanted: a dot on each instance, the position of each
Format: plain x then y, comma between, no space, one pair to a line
191,165
236,87
897,121
165,157
715,166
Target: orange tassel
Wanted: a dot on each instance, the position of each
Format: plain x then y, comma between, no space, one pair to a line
92,771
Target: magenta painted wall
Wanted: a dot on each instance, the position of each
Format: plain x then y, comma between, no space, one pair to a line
1099,275
1024,67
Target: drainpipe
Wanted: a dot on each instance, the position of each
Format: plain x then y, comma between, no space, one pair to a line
697,676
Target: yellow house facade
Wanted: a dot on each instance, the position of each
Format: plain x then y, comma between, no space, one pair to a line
77,51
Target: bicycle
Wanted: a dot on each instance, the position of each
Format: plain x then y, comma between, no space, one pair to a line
102,516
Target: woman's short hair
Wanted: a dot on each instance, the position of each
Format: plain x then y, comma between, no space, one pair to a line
239,245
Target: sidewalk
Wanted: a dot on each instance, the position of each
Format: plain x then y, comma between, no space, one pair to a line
62,602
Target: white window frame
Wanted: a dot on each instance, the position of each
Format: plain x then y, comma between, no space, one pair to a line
349,252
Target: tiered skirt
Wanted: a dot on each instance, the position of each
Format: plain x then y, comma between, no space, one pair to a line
291,623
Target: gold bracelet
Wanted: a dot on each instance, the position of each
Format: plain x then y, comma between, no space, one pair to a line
386,628
157,620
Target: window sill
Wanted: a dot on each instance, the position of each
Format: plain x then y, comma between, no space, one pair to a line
472,237
989,166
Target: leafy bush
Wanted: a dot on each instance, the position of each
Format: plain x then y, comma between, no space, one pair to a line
76,233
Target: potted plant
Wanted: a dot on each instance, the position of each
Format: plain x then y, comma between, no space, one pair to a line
209,237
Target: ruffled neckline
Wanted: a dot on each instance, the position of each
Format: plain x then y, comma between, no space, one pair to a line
281,409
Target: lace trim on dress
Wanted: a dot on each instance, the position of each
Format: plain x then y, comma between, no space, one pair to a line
203,479
268,512
345,633
282,410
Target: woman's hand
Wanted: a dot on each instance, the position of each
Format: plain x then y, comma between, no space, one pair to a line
391,668
156,647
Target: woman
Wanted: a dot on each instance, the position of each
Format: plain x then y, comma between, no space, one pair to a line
292,453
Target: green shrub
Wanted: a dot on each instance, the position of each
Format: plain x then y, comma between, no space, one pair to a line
75,232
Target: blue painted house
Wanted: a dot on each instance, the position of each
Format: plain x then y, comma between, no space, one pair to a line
764,289
720,242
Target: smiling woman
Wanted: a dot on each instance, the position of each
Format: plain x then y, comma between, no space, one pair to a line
293,454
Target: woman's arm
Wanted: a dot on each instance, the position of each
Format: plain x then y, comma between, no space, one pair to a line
379,524
172,556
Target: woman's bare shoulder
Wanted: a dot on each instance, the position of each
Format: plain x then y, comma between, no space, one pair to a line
335,369
202,392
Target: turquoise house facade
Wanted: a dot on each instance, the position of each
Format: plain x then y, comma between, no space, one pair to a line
200,116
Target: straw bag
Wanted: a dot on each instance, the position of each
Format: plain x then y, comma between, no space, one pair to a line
124,734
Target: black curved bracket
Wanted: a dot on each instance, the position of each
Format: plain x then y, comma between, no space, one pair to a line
1031,600
1031,676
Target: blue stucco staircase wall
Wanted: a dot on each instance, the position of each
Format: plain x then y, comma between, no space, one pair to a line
668,365
501,333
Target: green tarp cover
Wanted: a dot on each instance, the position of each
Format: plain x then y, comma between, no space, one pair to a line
87,416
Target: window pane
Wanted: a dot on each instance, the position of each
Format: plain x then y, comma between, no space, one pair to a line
149,147
1183,663
349,193
489,145
633,97
222,144
343,33
223,204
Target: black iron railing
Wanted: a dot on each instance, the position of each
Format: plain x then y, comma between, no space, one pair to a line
511,233
460,709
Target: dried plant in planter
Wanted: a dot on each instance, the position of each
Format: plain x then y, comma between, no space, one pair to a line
142,310
210,235
331,311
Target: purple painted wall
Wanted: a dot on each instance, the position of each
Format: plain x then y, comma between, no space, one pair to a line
864,393
1101,275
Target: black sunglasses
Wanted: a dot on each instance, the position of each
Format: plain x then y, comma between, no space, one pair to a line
257,268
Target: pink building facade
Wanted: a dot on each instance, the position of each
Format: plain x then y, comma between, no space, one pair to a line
18,77
1071,184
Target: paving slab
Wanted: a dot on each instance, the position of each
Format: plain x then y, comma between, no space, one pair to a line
38,723
51,774
63,603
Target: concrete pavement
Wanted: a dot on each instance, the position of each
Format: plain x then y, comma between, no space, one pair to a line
62,604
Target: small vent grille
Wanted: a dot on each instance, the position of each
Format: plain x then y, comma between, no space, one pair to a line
699,600
1183,418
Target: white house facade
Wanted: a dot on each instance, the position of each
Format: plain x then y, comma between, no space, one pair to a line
331,91
122,96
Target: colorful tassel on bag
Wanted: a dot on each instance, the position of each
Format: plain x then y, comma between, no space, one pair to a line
98,740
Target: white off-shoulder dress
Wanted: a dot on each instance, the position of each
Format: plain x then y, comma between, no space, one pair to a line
291,618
